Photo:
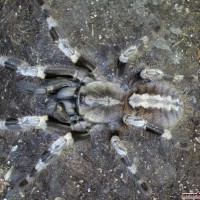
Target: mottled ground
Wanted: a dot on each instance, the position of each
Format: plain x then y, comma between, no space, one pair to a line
100,30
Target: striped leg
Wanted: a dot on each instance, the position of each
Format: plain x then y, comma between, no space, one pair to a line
15,179
133,51
25,123
139,122
24,69
156,75
42,122
49,156
121,150
63,44
51,87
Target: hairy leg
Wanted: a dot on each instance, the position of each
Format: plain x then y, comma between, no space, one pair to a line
133,52
23,68
49,156
25,123
63,44
139,122
122,152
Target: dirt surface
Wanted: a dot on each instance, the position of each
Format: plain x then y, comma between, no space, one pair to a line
100,30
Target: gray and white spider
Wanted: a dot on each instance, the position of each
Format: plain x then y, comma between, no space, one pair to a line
78,100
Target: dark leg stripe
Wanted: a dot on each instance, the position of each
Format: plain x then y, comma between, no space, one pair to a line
120,68
54,34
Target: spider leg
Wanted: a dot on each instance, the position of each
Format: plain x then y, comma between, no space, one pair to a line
50,87
63,44
25,123
122,152
49,156
23,68
64,72
156,74
139,122
133,51
65,141
44,123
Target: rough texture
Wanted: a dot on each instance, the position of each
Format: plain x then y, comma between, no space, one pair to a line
100,30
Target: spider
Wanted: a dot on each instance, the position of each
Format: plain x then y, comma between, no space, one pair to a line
79,99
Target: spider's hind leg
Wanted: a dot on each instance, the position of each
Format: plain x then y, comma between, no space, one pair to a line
122,152
141,123
16,180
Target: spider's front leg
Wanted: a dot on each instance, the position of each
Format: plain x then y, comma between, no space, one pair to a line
122,152
63,44
24,69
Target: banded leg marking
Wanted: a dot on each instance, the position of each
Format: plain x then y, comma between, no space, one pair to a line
48,88
24,123
63,44
64,72
22,68
139,122
48,157
121,150
131,52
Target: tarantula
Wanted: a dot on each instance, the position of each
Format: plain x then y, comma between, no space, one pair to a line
78,100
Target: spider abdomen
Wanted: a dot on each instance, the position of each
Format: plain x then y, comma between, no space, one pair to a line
157,102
